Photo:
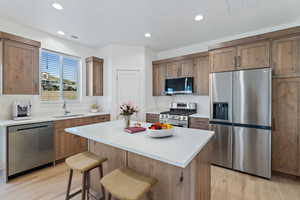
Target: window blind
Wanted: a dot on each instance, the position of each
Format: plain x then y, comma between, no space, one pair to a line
59,77
70,78
50,76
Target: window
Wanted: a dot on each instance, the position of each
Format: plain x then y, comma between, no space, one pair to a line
59,77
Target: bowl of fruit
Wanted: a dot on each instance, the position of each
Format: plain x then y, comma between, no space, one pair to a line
160,130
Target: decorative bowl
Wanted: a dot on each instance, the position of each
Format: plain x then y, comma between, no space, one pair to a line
161,133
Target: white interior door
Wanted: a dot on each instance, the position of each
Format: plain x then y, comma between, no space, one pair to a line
129,89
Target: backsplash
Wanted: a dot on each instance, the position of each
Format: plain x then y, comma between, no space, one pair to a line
162,102
41,109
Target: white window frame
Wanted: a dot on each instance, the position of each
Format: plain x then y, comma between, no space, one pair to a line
79,82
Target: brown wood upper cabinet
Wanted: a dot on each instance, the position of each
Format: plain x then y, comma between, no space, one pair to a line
286,56
173,69
94,76
193,65
223,59
159,76
20,65
254,55
201,75
187,68
285,119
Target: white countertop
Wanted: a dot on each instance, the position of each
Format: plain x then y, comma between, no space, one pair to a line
156,111
198,115
178,150
38,119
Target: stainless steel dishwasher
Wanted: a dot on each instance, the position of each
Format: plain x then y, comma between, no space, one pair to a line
29,146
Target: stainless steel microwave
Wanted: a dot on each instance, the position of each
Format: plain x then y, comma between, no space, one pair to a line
179,85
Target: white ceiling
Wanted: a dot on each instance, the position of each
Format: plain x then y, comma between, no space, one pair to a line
102,22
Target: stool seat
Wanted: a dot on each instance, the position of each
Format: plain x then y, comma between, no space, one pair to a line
126,184
84,161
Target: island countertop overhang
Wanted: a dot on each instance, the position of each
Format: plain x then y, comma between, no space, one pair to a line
178,150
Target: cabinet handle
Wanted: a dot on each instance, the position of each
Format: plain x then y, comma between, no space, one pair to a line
239,61
235,61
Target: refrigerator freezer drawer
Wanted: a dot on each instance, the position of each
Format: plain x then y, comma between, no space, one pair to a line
252,151
222,145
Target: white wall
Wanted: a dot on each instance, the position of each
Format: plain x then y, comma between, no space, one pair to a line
52,43
126,57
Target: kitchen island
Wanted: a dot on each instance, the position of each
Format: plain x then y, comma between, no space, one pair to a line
180,163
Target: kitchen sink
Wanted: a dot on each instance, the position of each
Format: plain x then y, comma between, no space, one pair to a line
68,115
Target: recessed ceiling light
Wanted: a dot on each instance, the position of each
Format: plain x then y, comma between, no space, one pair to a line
57,6
60,32
199,17
147,35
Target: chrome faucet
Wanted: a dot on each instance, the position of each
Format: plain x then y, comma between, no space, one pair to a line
65,108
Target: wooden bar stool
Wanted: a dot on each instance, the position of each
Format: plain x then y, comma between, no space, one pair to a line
126,184
84,163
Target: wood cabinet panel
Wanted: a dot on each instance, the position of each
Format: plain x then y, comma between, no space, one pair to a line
173,69
285,135
94,76
201,75
198,123
159,76
223,59
286,56
152,118
187,68
68,144
20,68
255,55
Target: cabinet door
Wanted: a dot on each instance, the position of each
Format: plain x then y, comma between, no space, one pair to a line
198,123
285,135
187,68
286,56
223,59
20,68
63,144
201,75
159,76
256,55
152,118
173,69
98,79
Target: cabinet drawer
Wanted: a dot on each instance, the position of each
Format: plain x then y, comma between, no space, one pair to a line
198,123
152,118
100,118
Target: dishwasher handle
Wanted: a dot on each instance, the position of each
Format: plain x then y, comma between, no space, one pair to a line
30,128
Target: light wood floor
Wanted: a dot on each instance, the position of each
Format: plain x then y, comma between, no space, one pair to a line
50,183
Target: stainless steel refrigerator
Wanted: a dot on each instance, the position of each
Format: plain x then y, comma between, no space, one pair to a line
240,115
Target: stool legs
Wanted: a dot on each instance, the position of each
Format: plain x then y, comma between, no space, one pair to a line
101,176
109,196
88,184
69,184
83,190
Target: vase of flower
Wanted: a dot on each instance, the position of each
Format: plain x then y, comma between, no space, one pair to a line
127,110
127,121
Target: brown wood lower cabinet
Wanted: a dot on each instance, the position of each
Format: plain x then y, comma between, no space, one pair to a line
152,118
68,144
198,123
